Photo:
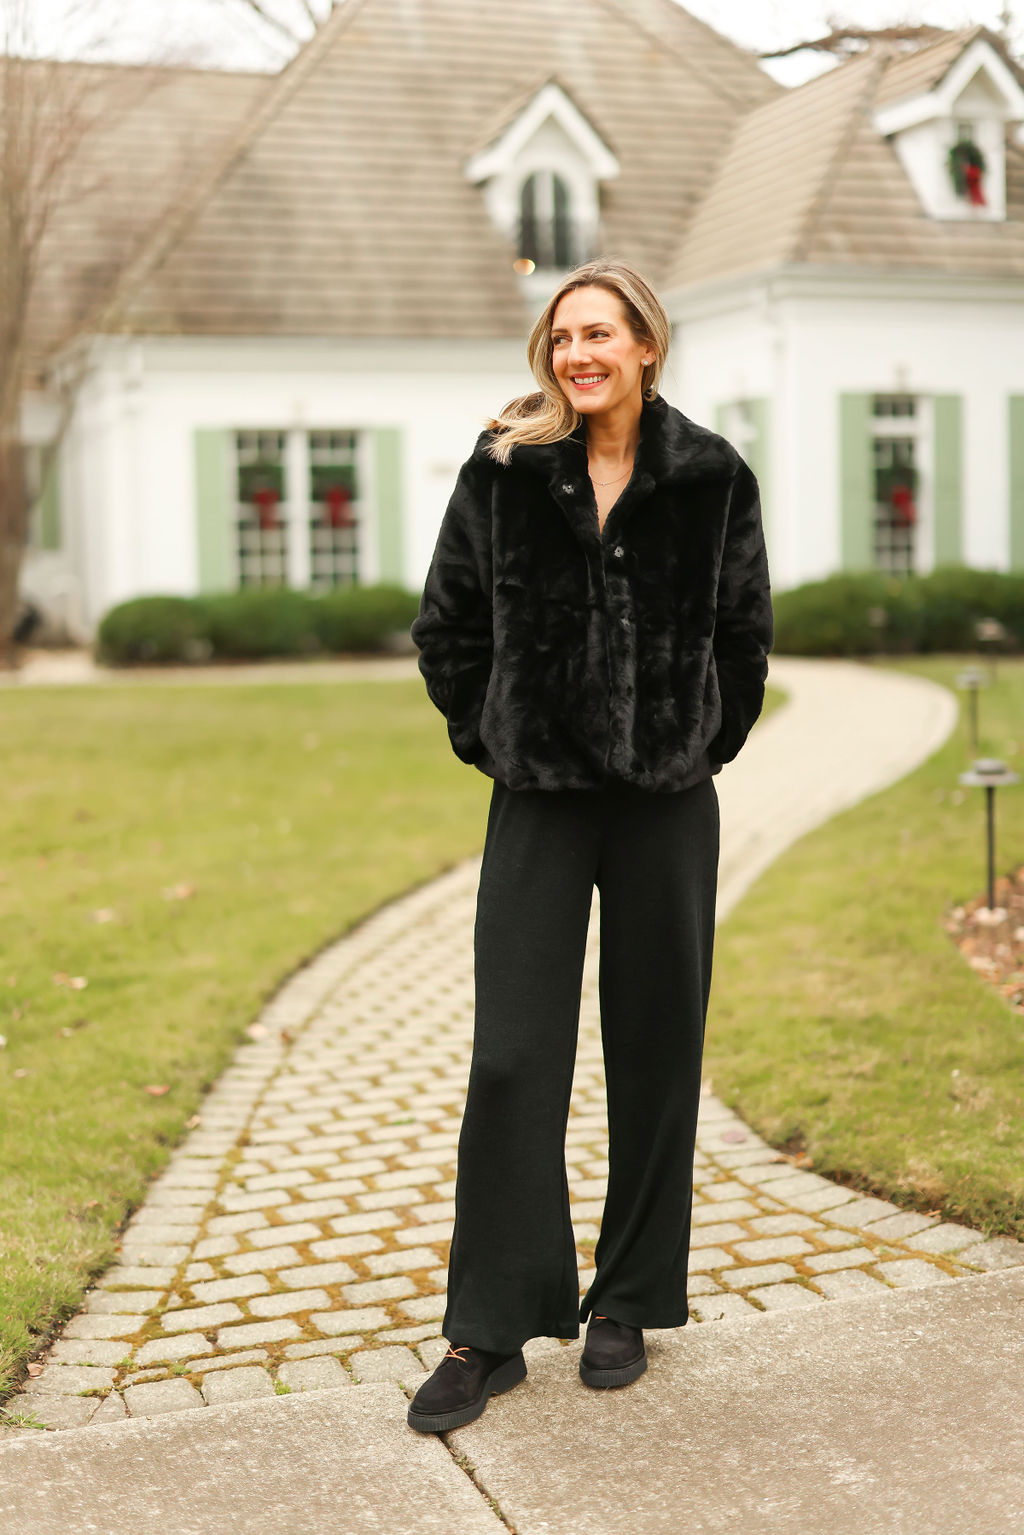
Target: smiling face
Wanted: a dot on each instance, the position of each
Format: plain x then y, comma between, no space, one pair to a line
595,356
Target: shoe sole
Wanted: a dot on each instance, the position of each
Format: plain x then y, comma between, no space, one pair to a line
622,1375
502,1379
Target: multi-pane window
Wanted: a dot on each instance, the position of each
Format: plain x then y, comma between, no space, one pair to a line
261,521
895,456
298,507
547,236
333,508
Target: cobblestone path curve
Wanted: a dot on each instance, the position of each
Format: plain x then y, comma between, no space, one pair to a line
298,1238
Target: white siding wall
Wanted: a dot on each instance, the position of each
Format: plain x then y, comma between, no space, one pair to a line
132,445
802,349
128,485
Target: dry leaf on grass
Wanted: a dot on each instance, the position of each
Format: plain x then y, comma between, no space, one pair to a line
34,1368
992,941
72,982
158,1092
182,892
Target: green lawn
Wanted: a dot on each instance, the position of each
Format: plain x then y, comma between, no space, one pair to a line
293,811
844,1020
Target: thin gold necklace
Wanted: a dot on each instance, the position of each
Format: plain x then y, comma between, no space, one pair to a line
622,476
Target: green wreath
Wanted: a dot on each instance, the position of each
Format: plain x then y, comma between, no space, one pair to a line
964,157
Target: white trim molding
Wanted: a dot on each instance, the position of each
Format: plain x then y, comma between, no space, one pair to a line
550,101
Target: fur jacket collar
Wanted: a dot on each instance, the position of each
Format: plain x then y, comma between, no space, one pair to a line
564,655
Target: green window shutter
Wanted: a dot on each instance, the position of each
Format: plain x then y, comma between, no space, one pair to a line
754,445
215,561
387,454
757,454
856,482
757,451
947,478
1017,482
49,523
754,439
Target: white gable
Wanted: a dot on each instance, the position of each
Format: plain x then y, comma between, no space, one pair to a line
549,153
550,103
976,100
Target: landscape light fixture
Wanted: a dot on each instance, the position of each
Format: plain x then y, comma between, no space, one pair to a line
990,774
990,632
972,679
878,619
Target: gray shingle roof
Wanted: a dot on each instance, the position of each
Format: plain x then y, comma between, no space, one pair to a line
345,210
809,179
152,128
922,70
760,204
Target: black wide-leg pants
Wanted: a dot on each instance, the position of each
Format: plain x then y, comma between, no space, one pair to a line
654,858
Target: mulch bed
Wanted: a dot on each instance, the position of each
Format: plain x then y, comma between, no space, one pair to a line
992,942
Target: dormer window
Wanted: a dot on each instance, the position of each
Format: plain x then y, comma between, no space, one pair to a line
951,137
546,234
540,178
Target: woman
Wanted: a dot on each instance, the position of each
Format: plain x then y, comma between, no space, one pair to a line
594,626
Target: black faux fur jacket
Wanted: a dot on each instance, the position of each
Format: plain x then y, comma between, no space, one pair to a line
565,656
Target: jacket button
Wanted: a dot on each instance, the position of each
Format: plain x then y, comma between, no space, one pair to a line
618,551
567,490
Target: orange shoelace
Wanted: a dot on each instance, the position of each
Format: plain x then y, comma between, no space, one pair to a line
456,1353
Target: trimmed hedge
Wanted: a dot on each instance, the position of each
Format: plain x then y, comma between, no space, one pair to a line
255,623
362,617
152,629
259,621
870,613
846,615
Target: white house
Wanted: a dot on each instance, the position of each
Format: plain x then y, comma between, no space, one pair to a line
290,332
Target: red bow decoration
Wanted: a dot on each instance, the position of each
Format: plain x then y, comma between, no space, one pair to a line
338,499
265,500
972,176
902,500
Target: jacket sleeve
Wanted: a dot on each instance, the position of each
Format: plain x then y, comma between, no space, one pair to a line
744,631
453,630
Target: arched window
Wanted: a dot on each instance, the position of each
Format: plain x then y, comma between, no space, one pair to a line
546,235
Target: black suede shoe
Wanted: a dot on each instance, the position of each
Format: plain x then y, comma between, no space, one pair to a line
613,1354
460,1387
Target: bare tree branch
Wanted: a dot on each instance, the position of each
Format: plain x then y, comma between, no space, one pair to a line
270,18
48,110
843,41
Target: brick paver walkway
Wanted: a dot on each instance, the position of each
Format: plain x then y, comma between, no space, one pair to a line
298,1238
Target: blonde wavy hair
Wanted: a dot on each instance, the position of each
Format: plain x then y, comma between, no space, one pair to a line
546,415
